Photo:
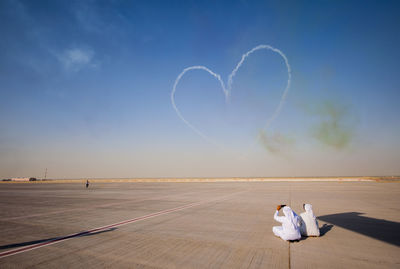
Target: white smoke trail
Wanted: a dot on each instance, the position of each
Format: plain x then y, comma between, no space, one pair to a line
227,91
285,92
178,111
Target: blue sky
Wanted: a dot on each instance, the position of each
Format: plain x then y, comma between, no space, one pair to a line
85,88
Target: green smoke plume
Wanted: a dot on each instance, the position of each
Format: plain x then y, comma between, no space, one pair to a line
276,143
335,127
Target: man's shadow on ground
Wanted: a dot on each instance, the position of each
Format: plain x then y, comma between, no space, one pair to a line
380,229
324,229
29,243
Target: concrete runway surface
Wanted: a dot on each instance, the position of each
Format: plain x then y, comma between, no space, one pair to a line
196,225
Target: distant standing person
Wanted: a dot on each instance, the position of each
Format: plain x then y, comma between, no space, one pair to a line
309,222
87,184
290,229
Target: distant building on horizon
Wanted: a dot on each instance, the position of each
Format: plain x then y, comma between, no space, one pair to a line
23,179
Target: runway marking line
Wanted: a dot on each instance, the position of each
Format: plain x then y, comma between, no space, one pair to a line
121,223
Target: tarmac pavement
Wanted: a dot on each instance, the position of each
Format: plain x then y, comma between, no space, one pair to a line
196,225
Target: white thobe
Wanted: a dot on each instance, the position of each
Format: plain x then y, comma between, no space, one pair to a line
290,225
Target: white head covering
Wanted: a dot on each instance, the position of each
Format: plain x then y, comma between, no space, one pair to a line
292,217
309,210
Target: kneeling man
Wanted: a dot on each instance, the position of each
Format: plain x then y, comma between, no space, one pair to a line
309,223
290,224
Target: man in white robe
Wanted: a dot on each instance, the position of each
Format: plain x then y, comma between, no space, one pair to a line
290,229
309,223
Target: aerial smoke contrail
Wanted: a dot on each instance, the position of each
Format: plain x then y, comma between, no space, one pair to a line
244,56
176,108
227,91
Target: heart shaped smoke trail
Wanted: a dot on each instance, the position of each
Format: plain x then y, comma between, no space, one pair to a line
227,91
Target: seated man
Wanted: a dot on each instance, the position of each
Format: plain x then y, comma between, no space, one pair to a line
309,223
290,224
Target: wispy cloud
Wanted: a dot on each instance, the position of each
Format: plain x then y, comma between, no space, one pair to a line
77,58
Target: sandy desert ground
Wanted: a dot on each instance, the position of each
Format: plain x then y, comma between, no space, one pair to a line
196,225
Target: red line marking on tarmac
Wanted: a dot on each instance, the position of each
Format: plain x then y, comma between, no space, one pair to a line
121,223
